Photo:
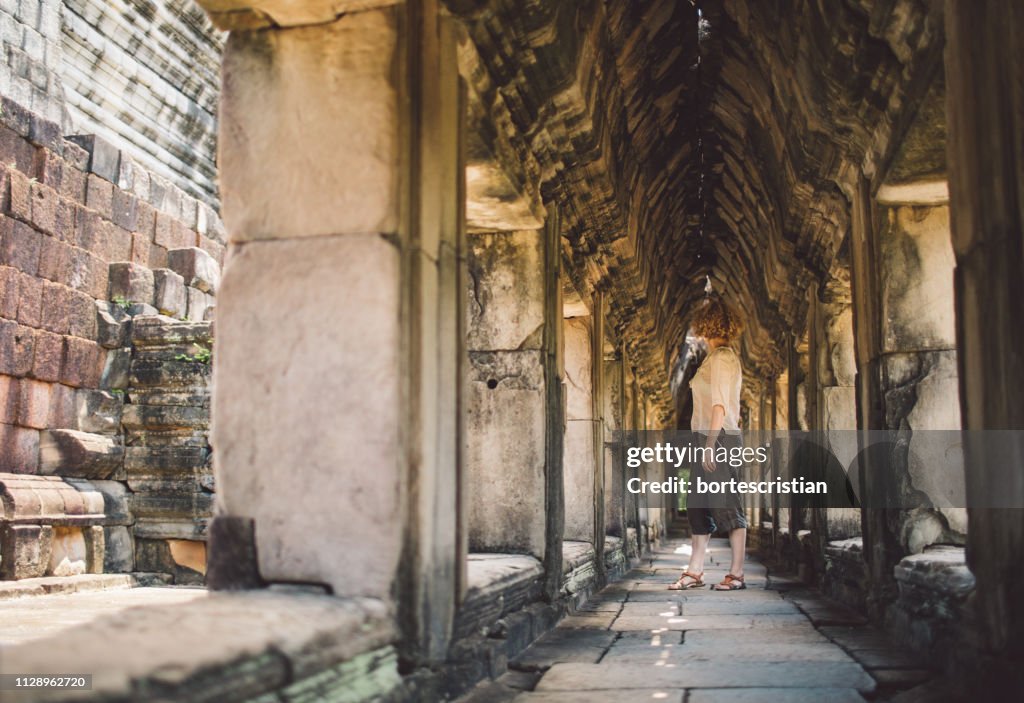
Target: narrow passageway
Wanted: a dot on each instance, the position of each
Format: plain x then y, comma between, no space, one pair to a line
777,640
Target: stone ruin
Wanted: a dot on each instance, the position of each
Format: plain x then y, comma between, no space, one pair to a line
464,239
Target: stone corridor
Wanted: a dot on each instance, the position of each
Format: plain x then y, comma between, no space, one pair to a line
776,641
328,327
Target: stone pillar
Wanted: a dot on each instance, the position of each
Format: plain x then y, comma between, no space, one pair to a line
507,399
984,66
906,359
581,430
614,456
336,392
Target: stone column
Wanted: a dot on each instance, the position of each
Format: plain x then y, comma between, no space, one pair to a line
614,456
507,400
581,430
336,391
984,69
906,349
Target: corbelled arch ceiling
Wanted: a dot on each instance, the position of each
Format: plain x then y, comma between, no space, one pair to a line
722,138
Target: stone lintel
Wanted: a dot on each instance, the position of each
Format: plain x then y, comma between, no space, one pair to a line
930,192
257,14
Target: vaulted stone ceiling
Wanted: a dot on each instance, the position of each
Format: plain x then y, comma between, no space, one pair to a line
722,138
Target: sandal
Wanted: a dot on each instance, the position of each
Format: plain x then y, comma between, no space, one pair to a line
729,583
698,582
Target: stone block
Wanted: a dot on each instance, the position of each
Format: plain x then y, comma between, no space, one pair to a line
125,210
505,453
196,267
82,315
98,411
79,454
55,260
164,417
198,302
131,282
63,412
342,161
83,363
505,290
116,502
19,449
112,324
34,404
171,297
73,183
95,548
119,555
26,550
268,286
232,564
17,346
44,208
141,249
99,196
55,312
9,391
115,369
20,246
30,300
18,203
104,157
49,356
9,282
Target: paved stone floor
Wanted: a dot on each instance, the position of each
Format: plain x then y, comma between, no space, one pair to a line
775,641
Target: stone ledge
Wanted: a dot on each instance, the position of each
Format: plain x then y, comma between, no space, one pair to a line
941,569
54,585
221,646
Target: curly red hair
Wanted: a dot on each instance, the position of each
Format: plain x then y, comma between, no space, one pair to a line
716,320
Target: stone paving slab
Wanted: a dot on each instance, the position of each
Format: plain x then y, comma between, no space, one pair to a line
596,677
707,622
563,646
775,636
640,654
652,695
775,695
709,606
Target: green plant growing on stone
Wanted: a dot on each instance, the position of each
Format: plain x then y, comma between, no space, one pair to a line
203,355
122,302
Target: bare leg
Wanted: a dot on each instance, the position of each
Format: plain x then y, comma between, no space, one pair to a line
738,545
698,551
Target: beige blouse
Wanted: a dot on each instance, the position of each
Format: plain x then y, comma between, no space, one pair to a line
717,382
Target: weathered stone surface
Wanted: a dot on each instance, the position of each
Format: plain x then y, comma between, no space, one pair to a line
505,453
116,368
26,550
119,555
586,677
116,502
344,178
170,297
281,638
113,324
79,454
303,381
197,268
131,282
98,411
198,302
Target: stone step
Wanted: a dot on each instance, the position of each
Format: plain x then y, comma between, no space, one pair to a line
159,330
164,417
54,585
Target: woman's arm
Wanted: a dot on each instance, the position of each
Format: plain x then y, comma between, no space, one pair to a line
717,420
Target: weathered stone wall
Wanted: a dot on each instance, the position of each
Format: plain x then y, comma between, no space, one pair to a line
88,240
144,74
140,73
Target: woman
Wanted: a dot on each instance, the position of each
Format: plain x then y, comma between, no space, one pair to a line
716,411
